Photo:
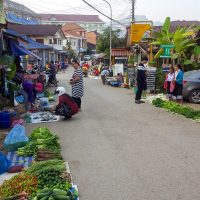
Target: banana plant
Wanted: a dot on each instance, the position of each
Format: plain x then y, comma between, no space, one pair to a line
164,37
183,40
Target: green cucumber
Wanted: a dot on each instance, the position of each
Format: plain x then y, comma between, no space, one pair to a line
44,198
59,192
40,195
61,197
51,198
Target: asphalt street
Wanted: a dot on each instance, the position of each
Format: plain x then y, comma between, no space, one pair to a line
118,150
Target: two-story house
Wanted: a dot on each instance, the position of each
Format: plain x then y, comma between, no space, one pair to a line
51,35
75,35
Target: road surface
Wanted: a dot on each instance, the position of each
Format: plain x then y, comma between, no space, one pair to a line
118,150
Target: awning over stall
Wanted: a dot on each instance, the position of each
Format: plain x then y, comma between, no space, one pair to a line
21,51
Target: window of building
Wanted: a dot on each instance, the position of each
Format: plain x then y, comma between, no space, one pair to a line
55,41
60,42
50,41
74,43
40,41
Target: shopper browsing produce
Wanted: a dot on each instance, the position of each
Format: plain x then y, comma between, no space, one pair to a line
141,80
67,107
169,83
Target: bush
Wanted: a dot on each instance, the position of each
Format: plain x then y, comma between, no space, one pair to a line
160,79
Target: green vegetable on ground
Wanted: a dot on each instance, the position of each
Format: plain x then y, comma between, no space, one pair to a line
40,139
177,108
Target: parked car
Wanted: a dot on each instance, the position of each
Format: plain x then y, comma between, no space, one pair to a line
191,86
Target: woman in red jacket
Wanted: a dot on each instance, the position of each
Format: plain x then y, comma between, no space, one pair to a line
67,106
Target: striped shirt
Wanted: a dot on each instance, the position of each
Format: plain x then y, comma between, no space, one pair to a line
77,88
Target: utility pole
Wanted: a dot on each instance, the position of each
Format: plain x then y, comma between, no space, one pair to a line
110,32
133,10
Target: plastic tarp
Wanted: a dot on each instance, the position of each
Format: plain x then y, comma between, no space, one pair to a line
20,50
19,20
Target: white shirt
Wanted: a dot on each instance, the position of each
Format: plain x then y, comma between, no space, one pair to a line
170,77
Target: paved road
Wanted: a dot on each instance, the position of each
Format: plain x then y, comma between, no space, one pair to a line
121,151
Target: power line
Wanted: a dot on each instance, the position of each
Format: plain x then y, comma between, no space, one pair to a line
101,12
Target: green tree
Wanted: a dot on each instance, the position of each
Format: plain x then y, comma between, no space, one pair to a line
164,37
71,53
183,41
103,43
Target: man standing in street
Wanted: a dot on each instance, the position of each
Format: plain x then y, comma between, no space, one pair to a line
141,80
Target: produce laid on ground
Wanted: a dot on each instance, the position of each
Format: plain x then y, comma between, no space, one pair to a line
22,182
41,139
177,108
46,178
49,95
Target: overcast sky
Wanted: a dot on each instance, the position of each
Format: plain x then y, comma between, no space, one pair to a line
156,10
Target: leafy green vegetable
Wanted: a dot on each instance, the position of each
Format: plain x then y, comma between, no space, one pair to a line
37,167
40,138
40,133
177,108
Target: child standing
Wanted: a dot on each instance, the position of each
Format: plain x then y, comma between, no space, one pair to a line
170,83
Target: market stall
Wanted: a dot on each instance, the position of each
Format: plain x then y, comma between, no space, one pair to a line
33,168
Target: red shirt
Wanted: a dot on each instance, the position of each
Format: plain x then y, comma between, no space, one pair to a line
67,100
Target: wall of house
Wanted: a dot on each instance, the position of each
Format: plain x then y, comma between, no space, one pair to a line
55,41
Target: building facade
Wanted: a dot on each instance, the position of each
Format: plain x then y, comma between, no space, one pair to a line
49,35
75,37
88,22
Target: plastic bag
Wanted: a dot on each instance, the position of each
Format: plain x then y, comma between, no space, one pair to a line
44,102
4,163
15,139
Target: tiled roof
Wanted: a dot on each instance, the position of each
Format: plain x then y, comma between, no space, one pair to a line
71,18
73,29
35,30
91,37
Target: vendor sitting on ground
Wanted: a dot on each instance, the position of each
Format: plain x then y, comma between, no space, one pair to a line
39,89
67,106
120,78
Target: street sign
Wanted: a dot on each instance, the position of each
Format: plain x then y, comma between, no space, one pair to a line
2,13
137,32
167,51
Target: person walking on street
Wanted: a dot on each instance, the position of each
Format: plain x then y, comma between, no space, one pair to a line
77,83
53,71
104,74
141,80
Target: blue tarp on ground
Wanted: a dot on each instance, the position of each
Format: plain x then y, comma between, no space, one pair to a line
19,160
19,20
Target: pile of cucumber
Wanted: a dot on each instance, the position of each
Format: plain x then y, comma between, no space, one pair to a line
55,194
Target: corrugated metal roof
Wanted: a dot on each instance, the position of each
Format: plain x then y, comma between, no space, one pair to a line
121,52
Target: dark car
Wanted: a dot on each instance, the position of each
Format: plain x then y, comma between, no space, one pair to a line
191,86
